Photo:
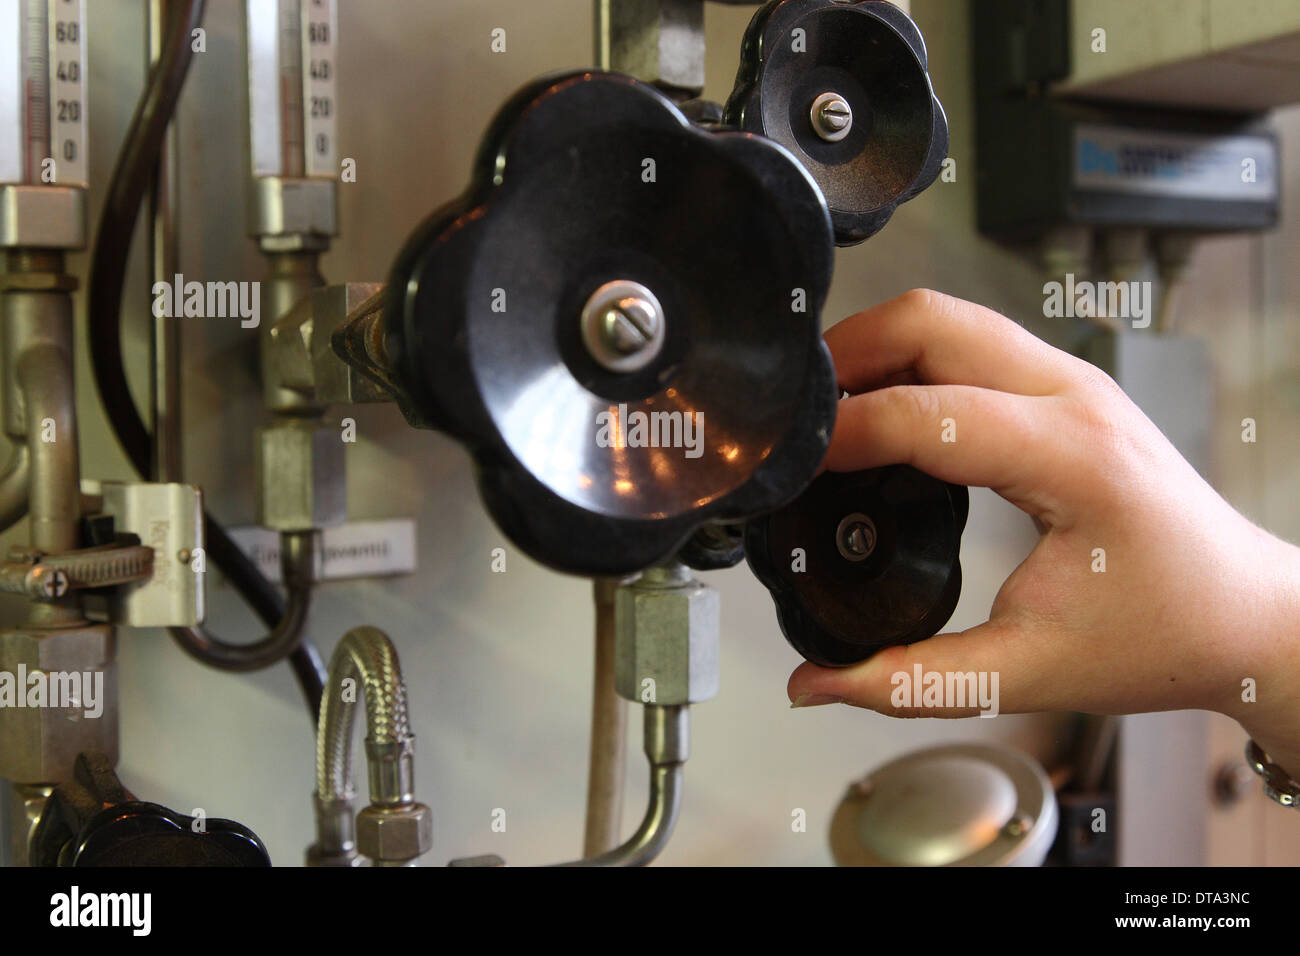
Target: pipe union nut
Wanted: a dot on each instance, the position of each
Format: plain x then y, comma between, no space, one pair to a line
666,644
301,476
394,834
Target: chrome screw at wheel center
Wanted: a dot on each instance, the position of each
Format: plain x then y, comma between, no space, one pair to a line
630,325
856,537
832,117
623,326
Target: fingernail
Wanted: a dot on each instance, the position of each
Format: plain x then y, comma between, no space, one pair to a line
815,700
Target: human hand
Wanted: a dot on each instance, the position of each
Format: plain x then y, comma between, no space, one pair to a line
1194,598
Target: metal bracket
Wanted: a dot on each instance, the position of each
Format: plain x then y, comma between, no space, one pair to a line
167,518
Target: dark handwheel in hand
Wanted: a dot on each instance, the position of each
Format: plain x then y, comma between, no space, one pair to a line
862,561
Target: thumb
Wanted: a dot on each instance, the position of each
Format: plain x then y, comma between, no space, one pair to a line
982,670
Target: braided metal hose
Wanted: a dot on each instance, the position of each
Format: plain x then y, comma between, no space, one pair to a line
367,654
394,829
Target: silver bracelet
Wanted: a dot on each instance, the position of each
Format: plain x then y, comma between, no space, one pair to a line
1278,785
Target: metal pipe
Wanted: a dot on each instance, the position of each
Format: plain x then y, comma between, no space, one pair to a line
41,409
608,759
54,499
298,568
667,745
163,257
39,400
14,486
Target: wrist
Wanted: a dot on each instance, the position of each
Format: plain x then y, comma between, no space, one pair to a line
1266,698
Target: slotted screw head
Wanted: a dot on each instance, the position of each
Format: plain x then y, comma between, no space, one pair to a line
623,326
832,117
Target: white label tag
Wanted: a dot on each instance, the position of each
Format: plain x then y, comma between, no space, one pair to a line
1157,163
358,549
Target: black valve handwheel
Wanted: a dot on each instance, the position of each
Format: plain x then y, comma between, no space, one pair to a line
92,820
844,87
862,561
147,834
612,278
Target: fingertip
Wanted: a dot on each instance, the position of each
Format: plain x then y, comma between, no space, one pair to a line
802,681
813,684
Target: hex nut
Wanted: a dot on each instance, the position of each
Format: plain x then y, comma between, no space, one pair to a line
301,476
394,834
301,212
333,308
42,216
666,649
40,744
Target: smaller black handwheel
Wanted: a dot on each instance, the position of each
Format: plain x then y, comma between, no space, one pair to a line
845,87
862,561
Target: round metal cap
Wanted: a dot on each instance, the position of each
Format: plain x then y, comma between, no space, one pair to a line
959,805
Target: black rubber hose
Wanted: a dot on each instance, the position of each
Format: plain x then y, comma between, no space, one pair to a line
129,184
127,189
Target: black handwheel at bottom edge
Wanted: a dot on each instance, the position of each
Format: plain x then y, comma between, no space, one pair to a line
862,561
148,834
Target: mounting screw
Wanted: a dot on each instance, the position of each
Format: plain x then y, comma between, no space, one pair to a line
856,537
46,583
832,117
1018,825
630,325
623,326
